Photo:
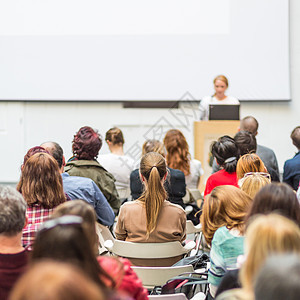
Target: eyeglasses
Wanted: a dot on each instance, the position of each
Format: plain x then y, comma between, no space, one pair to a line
264,174
64,220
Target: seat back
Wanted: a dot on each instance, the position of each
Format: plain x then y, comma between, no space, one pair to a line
158,276
147,250
104,234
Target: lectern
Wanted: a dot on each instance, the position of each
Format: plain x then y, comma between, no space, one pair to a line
205,132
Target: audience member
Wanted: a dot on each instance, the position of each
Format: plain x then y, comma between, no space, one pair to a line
226,154
116,162
119,269
278,278
85,146
42,189
262,240
81,187
246,143
276,197
174,184
251,183
291,169
13,257
249,163
178,157
155,219
223,225
266,154
65,239
52,280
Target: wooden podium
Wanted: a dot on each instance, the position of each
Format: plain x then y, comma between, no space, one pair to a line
205,132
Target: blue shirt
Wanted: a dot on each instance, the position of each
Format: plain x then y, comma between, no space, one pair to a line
86,189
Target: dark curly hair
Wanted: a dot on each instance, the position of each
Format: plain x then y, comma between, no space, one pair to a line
86,143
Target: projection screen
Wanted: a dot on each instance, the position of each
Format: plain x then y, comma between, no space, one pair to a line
133,50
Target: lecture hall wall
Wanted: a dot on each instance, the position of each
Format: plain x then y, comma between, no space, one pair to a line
26,124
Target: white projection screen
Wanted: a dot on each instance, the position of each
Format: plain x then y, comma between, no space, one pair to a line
131,50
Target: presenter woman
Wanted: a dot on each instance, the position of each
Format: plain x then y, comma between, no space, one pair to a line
219,97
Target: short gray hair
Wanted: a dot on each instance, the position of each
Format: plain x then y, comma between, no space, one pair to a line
279,278
12,211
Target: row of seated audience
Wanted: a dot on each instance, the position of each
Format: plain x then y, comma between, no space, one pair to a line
58,227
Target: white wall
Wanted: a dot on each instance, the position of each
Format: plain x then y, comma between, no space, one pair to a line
24,125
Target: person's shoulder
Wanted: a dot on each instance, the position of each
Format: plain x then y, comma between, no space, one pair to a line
174,207
196,163
233,100
176,173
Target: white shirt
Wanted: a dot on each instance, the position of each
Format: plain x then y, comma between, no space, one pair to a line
206,101
120,166
195,172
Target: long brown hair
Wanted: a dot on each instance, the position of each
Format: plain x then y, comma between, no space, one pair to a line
178,155
153,169
41,182
226,206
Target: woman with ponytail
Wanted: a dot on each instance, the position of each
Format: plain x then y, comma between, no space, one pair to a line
151,218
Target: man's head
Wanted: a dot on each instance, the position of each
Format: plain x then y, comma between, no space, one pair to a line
12,211
56,151
295,136
246,142
249,124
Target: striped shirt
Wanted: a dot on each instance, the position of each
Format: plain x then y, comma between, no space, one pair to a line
225,248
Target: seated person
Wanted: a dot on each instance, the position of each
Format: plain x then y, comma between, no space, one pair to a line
85,146
42,188
118,164
13,257
174,184
151,218
178,157
81,187
226,154
223,224
291,169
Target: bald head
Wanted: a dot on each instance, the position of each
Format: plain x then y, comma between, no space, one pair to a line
249,124
56,151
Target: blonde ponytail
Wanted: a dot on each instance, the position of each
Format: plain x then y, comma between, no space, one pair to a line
153,169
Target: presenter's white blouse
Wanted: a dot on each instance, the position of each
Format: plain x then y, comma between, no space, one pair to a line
206,101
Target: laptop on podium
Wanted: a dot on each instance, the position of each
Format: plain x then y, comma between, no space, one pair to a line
224,112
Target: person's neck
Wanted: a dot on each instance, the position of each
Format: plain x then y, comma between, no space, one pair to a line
11,244
221,97
116,149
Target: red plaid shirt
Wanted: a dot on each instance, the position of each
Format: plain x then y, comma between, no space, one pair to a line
36,215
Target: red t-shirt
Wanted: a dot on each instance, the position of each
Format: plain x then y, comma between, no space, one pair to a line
220,178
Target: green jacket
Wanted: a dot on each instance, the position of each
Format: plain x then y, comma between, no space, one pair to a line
104,180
